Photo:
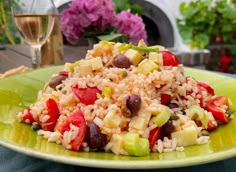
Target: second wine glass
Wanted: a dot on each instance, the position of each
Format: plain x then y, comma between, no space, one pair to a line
34,21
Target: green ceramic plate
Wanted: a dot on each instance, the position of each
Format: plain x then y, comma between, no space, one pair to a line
18,91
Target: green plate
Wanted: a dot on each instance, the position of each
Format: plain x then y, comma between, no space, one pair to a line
18,91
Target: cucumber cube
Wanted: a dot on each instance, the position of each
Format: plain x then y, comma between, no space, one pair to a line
135,145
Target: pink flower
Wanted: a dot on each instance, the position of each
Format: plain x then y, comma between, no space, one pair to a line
131,25
86,16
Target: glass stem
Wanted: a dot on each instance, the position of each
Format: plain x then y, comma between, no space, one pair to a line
36,56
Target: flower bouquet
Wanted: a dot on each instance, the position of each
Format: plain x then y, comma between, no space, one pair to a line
98,20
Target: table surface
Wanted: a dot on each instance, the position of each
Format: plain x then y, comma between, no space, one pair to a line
17,55
14,56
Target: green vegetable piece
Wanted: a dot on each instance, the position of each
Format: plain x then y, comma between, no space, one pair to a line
161,117
232,106
137,48
145,49
135,145
196,112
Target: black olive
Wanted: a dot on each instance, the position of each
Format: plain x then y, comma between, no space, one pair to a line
56,80
167,128
95,139
121,61
133,103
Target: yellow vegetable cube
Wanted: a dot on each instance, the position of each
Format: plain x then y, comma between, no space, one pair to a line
185,137
134,56
138,123
106,92
156,57
96,63
147,66
85,68
117,143
112,120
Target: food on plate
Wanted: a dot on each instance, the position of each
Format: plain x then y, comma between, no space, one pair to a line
126,99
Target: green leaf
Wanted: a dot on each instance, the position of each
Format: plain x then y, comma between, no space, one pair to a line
112,37
120,5
136,9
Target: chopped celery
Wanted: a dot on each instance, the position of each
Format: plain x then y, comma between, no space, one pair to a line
145,49
161,117
135,145
137,48
196,112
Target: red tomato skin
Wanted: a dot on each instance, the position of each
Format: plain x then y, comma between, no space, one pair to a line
28,116
165,98
86,95
64,73
153,136
208,88
53,112
77,119
211,126
169,59
214,106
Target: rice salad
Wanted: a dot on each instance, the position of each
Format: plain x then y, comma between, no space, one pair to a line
126,99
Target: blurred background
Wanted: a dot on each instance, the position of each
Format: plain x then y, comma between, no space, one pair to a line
201,33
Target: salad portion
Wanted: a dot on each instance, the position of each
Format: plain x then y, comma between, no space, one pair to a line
126,99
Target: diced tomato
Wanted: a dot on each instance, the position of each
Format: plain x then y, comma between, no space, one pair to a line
28,117
86,95
53,113
153,136
207,87
165,98
76,119
211,126
169,59
215,107
201,99
63,73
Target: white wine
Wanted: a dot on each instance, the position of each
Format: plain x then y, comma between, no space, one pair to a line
34,28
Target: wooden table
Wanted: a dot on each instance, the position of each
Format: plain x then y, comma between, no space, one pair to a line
16,55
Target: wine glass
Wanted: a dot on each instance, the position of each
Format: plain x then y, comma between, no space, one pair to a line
34,21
